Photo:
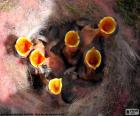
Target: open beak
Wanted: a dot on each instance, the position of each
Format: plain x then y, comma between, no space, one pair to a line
37,58
107,26
55,86
72,40
23,46
93,58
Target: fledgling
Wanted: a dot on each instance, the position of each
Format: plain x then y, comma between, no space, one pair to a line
49,19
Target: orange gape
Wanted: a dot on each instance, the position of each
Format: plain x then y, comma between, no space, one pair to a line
107,26
23,46
37,58
93,58
55,86
72,39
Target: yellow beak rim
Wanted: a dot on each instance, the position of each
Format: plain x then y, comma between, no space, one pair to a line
93,58
107,25
37,58
21,44
55,86
72,39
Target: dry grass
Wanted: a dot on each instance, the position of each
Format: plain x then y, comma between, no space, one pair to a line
6,5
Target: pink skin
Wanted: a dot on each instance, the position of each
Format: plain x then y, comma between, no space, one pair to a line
55,63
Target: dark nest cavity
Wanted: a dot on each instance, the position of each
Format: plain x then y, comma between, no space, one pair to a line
74,73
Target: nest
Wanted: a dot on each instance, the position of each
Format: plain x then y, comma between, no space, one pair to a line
73,67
